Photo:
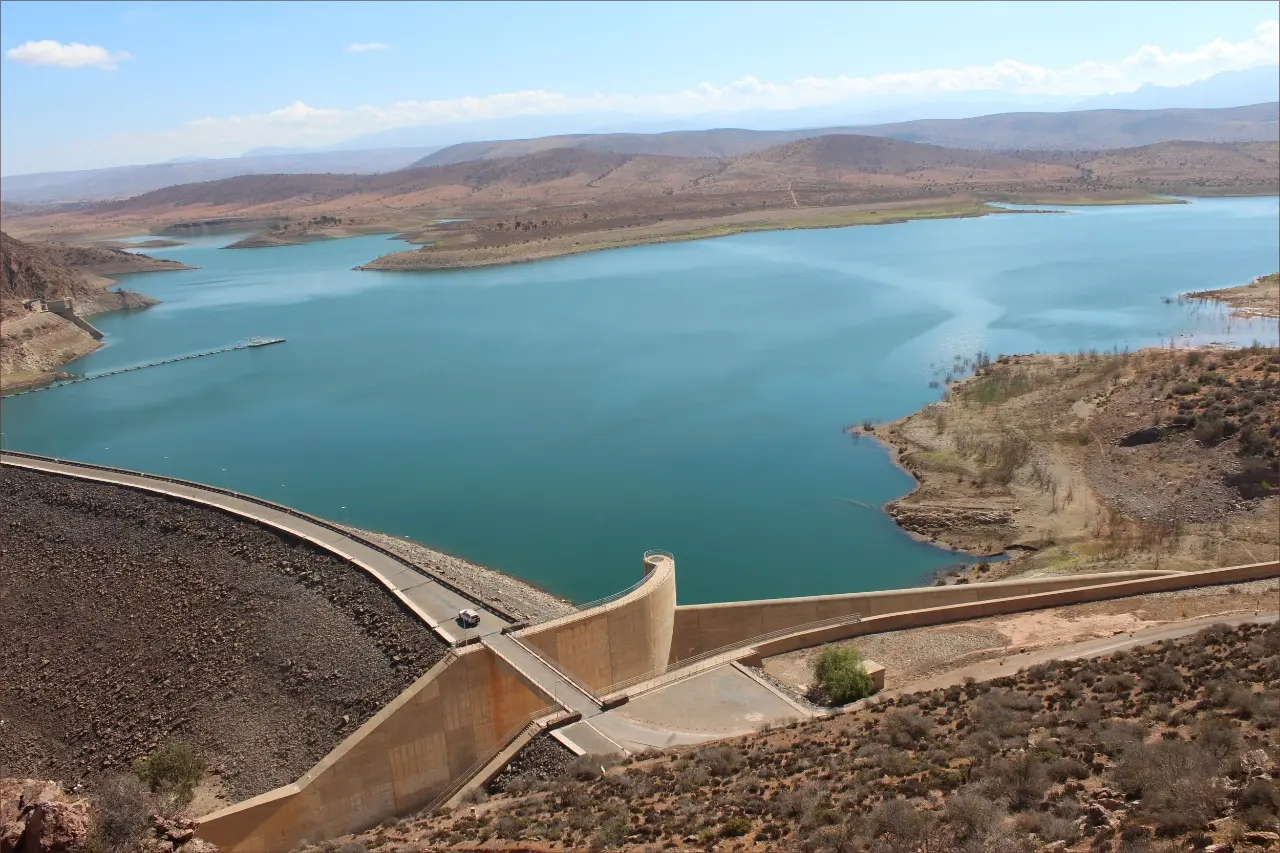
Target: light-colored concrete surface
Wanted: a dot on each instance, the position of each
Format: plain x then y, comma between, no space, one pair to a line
700,628
619,640
1018,603
583,739
544,677
464,708
717,703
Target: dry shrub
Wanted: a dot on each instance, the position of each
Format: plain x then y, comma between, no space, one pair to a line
122,812
1020,779
1174,779
971,815
904,729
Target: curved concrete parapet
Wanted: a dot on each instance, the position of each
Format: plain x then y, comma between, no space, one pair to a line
396,763
1099,588
702,627
618,640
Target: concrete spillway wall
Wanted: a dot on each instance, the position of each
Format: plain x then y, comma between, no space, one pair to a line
396,763
64,308
705,627
618,640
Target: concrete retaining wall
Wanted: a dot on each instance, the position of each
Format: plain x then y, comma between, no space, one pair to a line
703,627
64,308
620,640
395,763
1019,603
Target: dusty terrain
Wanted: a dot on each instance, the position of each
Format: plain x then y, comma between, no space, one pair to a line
557,201
34,344
1100,462
128,620
919,653
1154,749
1258,298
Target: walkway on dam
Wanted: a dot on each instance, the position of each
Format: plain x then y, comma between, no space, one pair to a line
434,603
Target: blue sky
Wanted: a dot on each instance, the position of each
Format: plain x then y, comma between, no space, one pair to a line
93,84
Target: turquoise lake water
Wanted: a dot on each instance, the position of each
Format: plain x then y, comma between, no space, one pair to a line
556,419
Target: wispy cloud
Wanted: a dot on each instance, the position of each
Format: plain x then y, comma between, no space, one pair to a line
366,47
300,124
74,55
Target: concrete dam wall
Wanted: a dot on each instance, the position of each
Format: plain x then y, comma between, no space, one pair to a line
461,710
616,641
396,763
706,627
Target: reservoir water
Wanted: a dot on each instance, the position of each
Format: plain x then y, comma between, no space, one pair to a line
556,419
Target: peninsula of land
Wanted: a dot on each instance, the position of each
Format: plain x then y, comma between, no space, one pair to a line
1163,458
35,342
509,205
1258,298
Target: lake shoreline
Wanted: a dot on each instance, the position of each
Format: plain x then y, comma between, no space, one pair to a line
960,500
38,344
498,411
1258,298
451,253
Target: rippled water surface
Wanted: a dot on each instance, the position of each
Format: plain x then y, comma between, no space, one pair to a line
556,419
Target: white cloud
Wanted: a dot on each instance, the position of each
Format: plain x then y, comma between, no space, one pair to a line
300,124
367,46
74,55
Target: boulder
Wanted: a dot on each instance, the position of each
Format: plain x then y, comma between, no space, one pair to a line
46,820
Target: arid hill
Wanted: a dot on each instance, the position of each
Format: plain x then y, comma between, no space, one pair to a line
33,344
61,271
578,193
1084,129
1166,747
30,271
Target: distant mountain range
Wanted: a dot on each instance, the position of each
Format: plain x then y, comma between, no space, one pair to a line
1090,129
1087,129
1228,89
125,181
591,189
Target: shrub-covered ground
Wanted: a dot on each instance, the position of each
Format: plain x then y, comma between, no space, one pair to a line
1166,747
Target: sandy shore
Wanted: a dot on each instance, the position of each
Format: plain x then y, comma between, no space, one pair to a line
1258,298
463,248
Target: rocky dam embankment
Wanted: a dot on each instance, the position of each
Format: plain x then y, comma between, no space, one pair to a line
128,620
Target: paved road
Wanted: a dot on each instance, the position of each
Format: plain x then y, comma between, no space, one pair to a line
435,603
547,678
1075,651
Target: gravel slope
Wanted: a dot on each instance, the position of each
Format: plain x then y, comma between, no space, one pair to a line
128,619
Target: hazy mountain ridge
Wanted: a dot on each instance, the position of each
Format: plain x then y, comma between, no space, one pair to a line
126,181
1088,130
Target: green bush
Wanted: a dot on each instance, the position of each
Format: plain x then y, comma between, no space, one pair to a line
173,771
841,672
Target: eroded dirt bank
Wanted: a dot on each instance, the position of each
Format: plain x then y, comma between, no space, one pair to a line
1100,462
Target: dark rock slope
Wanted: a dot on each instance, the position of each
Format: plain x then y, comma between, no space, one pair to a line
127,619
